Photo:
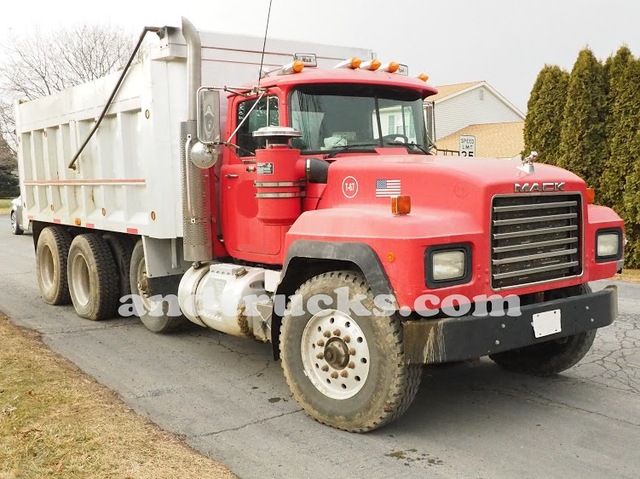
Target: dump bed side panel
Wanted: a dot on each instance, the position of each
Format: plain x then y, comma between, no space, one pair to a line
128,176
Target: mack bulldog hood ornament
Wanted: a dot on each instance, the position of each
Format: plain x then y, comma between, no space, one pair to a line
527,163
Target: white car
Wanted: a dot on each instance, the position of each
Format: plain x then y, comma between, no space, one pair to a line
17,228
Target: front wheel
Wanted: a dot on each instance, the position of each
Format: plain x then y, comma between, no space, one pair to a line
15,225
550,357
346,368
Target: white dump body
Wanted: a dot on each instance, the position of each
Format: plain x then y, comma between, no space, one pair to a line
128,177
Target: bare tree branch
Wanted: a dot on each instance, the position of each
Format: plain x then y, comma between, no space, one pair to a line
41,63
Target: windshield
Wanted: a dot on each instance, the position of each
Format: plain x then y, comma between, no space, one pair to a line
346,116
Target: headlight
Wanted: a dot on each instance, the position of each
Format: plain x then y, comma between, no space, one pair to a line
448,265
609,245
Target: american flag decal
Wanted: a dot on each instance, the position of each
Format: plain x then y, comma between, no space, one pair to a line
388,188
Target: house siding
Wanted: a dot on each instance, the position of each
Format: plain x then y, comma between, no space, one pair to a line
476,106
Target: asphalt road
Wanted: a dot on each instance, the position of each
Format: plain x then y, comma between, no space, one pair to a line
228,399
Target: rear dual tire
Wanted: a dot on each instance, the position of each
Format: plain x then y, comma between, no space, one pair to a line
93,279
94,272
52,251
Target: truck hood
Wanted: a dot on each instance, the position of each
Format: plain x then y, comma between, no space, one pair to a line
438,182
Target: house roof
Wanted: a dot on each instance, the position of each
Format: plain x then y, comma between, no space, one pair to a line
497,140
446,92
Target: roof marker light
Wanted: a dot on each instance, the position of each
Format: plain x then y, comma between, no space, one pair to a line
352,63
423,77
372,65
293,67
390,67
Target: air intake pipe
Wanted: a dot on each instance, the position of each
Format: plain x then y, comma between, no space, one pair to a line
196,192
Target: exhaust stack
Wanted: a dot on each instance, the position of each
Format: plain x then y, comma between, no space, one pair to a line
196,200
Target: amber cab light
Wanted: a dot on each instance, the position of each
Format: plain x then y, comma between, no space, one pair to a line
293,67
390,67
423,77
401,205
590,196
370,65
352,63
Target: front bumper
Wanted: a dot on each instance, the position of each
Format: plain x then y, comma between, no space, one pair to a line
457,339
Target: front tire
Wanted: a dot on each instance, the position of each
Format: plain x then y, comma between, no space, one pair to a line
550,357
15,225
347,370
92,277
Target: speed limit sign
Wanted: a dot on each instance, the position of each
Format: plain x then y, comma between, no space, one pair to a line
467,145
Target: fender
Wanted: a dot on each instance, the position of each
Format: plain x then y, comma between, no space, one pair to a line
360,254
306,259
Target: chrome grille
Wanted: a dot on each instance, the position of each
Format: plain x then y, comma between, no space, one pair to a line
535,239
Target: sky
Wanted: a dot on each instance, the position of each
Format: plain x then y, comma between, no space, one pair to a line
504,42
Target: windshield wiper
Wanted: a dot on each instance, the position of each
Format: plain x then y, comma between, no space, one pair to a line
409,146
351,147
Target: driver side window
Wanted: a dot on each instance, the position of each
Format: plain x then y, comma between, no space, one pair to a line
265,113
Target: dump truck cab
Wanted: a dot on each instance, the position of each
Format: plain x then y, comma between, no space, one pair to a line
340,114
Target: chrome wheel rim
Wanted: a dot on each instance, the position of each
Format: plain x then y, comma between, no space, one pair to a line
335,354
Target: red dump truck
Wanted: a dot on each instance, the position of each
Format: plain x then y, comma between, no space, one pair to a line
300,205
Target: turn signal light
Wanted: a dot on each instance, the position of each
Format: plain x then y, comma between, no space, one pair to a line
370,65
423,77
401,205
590,196
352,63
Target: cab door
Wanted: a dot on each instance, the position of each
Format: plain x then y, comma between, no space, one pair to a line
245,236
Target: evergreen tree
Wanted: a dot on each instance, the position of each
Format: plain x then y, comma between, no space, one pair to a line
8,181
544,108
623,117
631,173
583,143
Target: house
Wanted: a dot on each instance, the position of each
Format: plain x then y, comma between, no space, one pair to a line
457,106
476,109
494,140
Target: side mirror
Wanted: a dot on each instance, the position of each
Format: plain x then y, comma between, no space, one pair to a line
208,120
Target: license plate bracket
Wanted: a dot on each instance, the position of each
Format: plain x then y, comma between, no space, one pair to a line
547,323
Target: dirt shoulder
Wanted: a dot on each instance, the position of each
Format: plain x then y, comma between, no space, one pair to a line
630,275
57,422
5,206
